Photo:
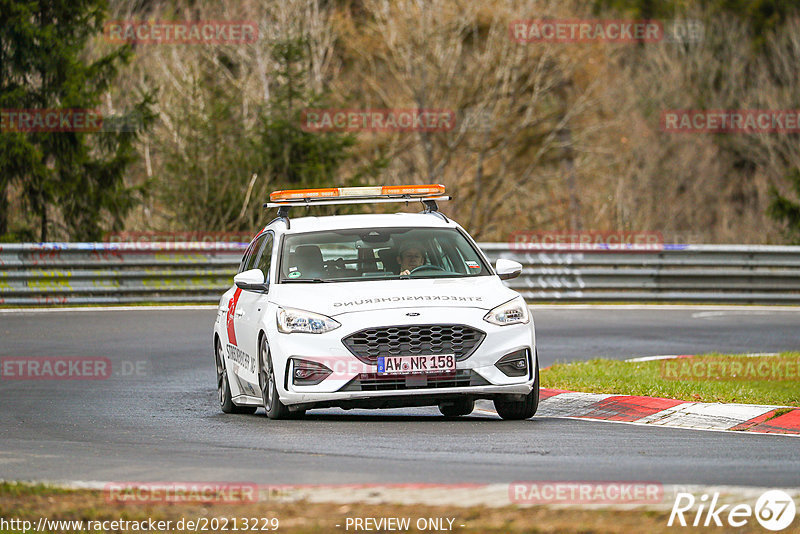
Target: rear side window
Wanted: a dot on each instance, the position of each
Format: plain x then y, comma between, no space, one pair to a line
246,255
265,258
251,255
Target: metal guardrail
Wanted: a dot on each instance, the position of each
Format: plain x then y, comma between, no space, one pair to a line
116,273
119,273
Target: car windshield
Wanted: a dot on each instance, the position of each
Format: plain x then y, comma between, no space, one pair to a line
378,254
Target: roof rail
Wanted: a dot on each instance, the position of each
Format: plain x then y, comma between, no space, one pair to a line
283,215
432,208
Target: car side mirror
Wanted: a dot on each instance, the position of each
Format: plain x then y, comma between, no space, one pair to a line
507,269
252,280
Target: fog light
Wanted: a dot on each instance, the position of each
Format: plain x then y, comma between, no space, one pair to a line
514,364
308,373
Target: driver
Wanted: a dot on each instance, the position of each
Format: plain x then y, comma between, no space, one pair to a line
411,256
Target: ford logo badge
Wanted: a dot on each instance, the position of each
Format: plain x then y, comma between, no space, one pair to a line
412,314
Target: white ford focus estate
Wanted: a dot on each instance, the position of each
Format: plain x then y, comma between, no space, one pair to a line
372,311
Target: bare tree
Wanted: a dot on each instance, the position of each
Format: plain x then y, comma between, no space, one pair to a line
515,102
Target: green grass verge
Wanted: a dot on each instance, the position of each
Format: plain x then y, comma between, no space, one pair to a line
31,503
706,378
20,489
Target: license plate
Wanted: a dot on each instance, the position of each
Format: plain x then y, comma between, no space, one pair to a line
407,365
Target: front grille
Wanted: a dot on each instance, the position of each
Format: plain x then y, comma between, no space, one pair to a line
412,340
376,382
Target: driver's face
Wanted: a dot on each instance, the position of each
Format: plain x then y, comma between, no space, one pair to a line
411,259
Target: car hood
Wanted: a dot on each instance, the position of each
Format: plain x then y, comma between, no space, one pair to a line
483,292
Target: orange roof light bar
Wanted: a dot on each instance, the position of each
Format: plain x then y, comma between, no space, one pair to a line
356,192
428,189
290,194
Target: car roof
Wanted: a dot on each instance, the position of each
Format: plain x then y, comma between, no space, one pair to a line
338,222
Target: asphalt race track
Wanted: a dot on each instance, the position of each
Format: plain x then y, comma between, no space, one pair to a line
156,417
581,334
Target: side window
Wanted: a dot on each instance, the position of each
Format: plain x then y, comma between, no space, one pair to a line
265,260
246,256
249,260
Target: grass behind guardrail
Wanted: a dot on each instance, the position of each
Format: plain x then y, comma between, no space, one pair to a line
680,379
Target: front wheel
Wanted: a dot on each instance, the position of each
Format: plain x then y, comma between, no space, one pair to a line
269,391
521,409
224,388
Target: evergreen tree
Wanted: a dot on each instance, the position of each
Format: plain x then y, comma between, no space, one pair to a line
76,176
223,171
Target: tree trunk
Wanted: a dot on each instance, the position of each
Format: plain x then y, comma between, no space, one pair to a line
565,136
3,209
43,215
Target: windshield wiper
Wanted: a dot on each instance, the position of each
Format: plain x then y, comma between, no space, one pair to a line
306,280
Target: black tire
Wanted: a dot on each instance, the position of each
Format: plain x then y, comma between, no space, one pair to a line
458,407
524,409
223,386
269,391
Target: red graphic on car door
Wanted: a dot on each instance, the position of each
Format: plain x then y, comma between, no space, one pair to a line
231,312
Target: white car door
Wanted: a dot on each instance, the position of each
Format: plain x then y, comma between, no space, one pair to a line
249,307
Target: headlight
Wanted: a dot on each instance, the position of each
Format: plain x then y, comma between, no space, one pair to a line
514,311
291,320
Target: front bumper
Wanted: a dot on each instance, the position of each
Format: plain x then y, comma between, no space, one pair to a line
350,380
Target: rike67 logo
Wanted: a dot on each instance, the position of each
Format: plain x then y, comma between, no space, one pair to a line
774,510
